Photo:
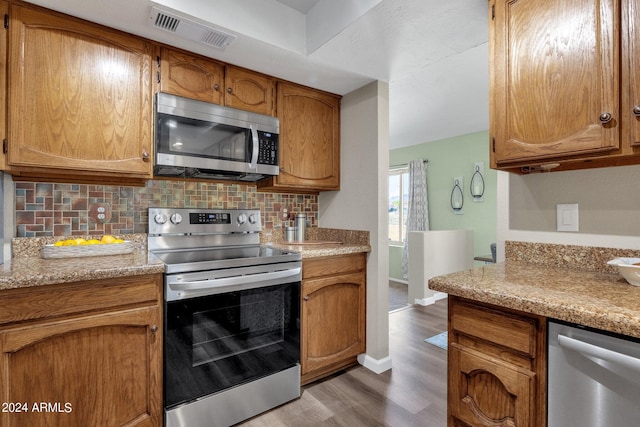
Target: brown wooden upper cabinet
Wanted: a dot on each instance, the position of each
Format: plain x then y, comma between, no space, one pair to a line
564,83
4,10
80,98
204,79
309,141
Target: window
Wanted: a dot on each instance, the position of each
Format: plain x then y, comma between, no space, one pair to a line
398,203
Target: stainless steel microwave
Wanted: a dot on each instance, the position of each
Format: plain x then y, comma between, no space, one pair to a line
202,140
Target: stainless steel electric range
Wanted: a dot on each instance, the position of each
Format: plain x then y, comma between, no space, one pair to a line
231,316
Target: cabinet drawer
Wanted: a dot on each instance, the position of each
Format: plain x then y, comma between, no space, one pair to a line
508,330
327,266
69,298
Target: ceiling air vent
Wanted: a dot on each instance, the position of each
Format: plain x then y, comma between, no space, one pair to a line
189,29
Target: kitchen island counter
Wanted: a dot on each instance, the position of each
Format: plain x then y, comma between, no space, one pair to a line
599,299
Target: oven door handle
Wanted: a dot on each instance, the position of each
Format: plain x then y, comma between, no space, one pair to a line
226,282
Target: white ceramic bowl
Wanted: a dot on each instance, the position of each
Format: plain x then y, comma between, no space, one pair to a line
630,272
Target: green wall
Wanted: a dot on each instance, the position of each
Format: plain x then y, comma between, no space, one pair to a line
449,158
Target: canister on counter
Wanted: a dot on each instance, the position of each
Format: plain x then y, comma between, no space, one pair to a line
301,225
290,234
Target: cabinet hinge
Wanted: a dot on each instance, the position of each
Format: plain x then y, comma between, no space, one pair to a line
493,144
5,147
6,21
493,12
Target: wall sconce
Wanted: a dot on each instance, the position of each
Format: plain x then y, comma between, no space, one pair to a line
457,196
477,182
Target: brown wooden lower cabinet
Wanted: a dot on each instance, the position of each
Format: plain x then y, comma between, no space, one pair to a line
332,314
90,361
497,366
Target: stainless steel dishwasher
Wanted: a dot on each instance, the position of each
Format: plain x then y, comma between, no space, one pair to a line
594,378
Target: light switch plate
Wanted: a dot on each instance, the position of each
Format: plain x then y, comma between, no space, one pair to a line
567,218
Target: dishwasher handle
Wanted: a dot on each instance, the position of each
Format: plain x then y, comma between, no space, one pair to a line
588,349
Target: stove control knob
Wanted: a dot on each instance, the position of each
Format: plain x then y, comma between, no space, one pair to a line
252,219
176,218
160,218
242,218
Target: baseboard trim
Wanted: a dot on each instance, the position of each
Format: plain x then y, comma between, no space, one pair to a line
431,300
376,365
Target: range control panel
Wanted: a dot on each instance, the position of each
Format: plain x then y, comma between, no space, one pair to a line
203,221
209,218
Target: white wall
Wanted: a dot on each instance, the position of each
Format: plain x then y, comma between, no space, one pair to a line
361,203
599,208
606,197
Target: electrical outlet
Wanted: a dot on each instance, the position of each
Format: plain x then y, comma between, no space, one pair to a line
100,213
286,213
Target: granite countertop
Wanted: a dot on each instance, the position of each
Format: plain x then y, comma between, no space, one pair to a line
27,268
314,249
25,272
322,242
589,294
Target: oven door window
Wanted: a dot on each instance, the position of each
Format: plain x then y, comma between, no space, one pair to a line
220,341
198,138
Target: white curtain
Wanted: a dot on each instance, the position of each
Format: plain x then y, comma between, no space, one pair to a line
418,208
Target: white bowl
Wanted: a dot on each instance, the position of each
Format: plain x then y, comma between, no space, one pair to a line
630,272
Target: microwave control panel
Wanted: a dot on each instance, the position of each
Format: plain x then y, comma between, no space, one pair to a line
268,148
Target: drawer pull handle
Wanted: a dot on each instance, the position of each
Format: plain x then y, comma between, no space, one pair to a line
306,298
154,328
636,111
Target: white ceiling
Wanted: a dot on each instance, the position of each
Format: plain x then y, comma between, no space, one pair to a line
433,53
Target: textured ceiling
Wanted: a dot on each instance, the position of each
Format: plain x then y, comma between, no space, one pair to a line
432,53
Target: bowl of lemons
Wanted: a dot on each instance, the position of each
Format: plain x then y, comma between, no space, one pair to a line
72,247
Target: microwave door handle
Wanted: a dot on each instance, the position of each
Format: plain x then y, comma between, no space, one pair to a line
255,147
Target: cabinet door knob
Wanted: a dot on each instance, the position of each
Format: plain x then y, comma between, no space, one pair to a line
229,90
145,156
306,298
216,87
154,328
636,111
605,118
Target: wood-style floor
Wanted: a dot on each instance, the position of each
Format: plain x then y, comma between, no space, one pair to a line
412,393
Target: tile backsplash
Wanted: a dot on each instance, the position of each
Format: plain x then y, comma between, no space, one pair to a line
53,209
